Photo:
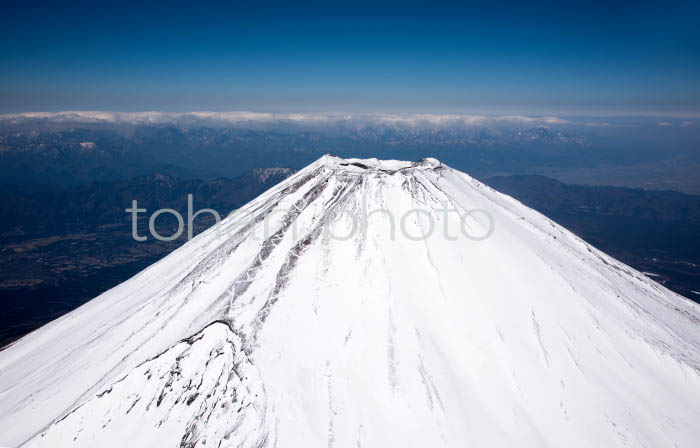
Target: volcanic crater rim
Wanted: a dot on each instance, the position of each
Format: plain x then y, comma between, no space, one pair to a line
374,164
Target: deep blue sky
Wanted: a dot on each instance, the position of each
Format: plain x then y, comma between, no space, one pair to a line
592,58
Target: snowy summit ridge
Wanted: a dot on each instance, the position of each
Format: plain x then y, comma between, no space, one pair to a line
287,326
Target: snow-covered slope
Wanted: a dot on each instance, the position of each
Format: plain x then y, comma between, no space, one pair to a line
283,327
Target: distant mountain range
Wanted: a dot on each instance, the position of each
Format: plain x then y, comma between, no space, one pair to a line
110,152
77,148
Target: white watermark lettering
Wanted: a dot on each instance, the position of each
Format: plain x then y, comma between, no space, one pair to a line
416,224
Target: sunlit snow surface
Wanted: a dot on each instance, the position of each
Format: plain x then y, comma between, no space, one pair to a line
529,337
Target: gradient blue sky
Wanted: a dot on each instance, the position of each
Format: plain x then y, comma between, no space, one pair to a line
588,58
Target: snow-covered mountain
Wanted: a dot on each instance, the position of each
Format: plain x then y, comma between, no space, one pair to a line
290,324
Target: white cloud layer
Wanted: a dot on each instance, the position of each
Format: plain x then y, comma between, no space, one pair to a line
243,117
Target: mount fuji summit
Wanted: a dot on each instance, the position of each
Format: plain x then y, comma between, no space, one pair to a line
367,303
